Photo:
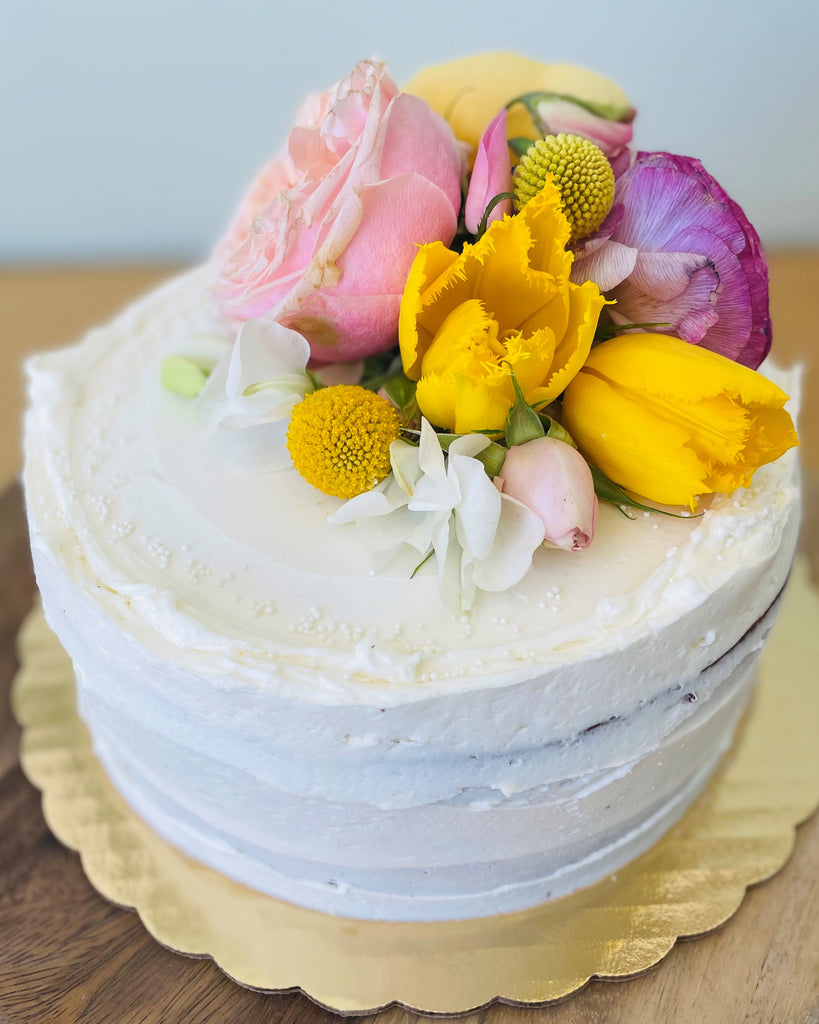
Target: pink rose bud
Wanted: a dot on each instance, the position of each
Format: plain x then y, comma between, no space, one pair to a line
554,481
491,175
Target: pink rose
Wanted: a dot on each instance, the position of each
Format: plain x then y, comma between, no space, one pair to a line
275,177
491,175
375,173
554,481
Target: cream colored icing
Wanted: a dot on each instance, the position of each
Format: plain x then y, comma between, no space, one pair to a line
339,738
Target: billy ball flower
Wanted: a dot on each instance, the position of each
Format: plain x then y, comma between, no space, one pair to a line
339,439
581,173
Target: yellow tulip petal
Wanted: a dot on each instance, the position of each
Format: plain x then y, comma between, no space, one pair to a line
483,404
531,357
585,304
550,228
718,428
431,262
655,413
663,365
457,402
643,453
470,91
435,396
772,434
503,304
464,342
498,269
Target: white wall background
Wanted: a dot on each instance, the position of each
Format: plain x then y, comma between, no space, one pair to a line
128,128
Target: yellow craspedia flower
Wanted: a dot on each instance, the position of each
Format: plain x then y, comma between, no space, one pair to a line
504,304
339,439
581,173
670,421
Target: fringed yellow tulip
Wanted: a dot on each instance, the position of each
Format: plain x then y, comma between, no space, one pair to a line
503,305
671,421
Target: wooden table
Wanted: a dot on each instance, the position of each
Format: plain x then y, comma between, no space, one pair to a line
66,955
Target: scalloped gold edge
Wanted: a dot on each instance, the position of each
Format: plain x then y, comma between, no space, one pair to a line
740,832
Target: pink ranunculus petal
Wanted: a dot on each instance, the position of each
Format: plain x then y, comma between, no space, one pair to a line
687,316
682,223
608,265
664,275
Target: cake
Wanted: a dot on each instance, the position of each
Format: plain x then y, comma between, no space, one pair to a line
344,737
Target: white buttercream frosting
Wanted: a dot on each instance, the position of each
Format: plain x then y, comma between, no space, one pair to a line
338,738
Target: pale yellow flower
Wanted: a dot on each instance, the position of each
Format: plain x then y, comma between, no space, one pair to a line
470,91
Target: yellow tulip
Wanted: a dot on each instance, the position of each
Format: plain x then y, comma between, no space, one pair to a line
669,420
470,91
503,305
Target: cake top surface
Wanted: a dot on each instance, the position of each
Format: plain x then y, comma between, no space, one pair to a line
161,526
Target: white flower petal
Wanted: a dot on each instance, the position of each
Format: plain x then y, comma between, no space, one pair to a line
432,494
469,445
519,534
211,404
265,350
479,508
404,462
258,449
447,505
265,353
362,506
430,453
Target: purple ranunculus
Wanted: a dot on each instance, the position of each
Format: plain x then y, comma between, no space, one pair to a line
677,249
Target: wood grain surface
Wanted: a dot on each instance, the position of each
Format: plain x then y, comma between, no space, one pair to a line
66,955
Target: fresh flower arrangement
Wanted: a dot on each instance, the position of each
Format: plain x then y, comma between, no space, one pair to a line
472,311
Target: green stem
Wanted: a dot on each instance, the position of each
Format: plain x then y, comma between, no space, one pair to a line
490,206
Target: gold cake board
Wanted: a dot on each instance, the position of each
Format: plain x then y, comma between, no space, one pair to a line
741,831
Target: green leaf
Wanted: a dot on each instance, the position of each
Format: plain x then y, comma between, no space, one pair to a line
556,430
401,390
382,364
184,376
445,440
493,458
522,423
607,490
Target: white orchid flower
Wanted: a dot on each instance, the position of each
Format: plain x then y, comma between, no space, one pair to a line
446,505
